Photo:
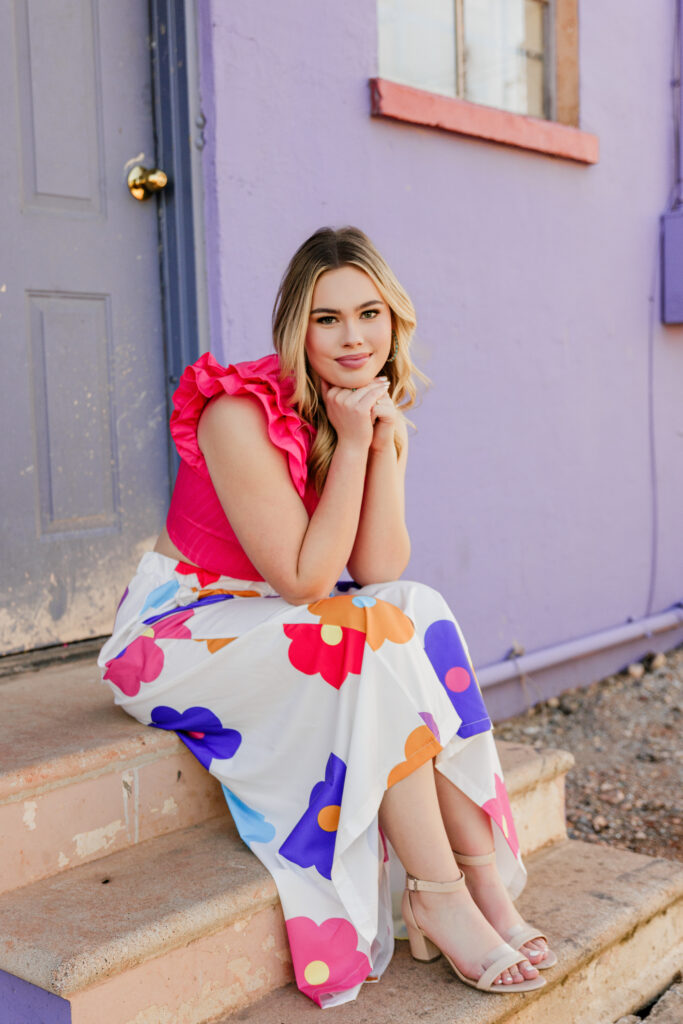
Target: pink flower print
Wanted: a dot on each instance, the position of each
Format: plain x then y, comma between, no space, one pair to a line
142,660
325,957
499,809
333,651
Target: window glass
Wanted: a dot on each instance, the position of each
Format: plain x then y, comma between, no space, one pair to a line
494,53
417,43
501,46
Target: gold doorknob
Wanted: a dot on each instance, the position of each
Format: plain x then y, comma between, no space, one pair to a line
143,182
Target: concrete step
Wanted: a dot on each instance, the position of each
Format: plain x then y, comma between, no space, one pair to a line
614,918
80,779
187,928
176,929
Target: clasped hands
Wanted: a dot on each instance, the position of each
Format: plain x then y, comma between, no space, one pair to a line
365,417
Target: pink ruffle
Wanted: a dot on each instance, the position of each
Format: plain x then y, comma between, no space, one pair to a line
206,378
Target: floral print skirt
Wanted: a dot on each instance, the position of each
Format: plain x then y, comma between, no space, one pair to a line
307,715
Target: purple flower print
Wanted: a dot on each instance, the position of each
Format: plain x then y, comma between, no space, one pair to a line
311,841
446,651
200,730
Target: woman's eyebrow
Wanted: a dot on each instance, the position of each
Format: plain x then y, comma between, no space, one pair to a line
371,302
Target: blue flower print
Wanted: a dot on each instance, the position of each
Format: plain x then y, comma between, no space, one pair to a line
251,824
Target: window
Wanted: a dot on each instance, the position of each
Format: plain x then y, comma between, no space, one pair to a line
495,52
503,70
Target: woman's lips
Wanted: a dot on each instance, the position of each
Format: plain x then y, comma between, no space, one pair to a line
354,361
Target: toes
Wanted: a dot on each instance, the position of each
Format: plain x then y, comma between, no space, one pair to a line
536,950
527,969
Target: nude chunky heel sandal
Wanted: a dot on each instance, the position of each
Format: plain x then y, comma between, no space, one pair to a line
519,933
496,961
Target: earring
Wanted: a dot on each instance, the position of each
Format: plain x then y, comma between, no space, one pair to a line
394,350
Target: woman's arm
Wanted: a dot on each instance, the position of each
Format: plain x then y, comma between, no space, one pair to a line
382,547
301,558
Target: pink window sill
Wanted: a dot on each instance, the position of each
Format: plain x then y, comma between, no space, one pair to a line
404,103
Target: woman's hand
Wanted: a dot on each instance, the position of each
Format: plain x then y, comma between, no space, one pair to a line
354,413
385,417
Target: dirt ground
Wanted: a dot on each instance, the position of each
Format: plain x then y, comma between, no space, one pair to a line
625,732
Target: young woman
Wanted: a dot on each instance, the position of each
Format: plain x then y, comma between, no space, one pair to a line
334,714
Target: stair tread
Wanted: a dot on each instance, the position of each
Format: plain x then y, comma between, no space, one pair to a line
161,894
80,730
612,891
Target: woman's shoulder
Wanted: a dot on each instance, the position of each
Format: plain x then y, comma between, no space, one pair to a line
261,378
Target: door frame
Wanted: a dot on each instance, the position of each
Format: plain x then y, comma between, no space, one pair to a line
179,137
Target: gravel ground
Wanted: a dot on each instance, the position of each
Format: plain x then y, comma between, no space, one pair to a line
626,788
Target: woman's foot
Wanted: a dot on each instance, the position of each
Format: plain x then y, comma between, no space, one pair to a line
493,900
455,924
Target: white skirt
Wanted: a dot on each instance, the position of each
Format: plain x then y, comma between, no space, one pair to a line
307,715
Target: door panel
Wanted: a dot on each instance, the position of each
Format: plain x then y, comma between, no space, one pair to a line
83,417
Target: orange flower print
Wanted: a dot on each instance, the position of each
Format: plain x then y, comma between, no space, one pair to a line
379,620
421,745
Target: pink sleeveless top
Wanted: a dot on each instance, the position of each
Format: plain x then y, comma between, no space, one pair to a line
196,522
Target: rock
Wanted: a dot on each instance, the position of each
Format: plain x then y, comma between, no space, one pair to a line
631,1019
659,661
636,670
553,702
669,1009
568,706
599,823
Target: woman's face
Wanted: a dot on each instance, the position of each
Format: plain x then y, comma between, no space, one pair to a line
349,328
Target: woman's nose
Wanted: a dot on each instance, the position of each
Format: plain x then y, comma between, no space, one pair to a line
352,336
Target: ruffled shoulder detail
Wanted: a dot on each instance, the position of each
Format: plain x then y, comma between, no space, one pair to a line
206,378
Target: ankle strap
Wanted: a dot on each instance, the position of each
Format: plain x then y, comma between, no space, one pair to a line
482,858
417,885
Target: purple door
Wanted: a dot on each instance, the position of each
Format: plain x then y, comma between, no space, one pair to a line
83,421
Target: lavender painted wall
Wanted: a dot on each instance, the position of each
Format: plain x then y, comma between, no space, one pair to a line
536,282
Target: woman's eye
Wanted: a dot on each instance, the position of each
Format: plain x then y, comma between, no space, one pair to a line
324,319
372,313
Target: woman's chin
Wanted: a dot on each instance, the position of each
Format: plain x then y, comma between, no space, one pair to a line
353,379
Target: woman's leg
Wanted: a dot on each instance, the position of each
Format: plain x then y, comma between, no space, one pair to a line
411,818
468,828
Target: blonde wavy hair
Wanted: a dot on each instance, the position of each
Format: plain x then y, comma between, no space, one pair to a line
329,249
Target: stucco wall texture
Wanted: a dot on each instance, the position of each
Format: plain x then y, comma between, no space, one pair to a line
536,282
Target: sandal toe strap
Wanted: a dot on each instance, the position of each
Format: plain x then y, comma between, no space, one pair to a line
522,933
504,956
